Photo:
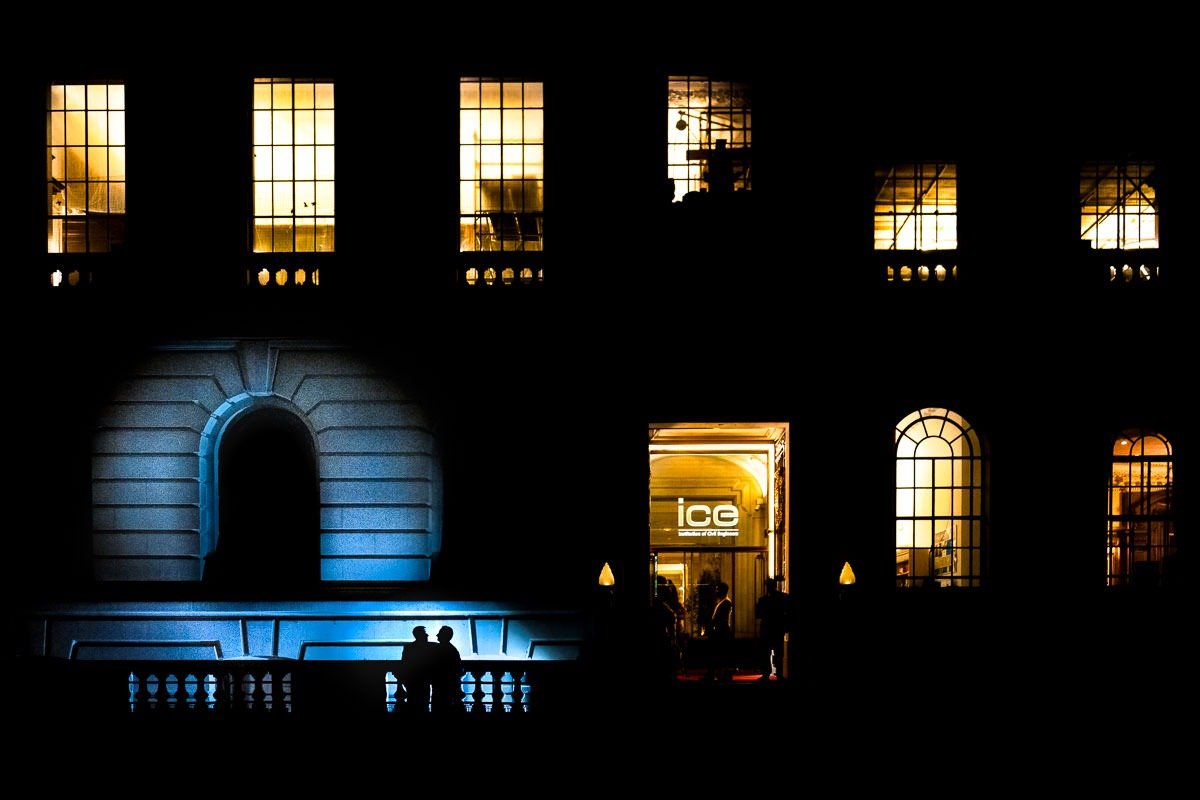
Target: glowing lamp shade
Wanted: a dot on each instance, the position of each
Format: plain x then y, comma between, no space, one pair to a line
606,576
846,578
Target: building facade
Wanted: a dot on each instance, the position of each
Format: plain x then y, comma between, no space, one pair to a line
321,347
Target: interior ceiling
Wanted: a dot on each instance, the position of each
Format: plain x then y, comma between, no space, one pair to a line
723,432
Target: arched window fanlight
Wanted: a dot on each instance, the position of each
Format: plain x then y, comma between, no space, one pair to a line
1141,518
940,501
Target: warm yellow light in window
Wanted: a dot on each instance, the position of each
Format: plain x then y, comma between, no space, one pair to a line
264,277
1119,205
489,276
316,277
293,153
85,168
56,277
846,577
700,113
281,277
916,207
301,277
526,275
606,576
507,275
73,277
501,165
471,275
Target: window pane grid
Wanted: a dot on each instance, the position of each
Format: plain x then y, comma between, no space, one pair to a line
293,153
705,116
85,168
1118,205
916,207
939,502
1141,527
501,165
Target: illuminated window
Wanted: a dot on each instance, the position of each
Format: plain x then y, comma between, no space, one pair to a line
1118,207
708,135
1141,525
916,207
293,166
939,501
501,172
85,167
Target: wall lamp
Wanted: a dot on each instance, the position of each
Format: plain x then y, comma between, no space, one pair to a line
681,124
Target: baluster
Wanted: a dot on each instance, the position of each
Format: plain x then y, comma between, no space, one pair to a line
152,691
486,684
286,689
210,690
172,687
468,690
507,685
268,699
248,686
230,689
389,691
526,687
134,685
190,685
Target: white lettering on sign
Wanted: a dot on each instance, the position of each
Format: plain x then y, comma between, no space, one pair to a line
698,519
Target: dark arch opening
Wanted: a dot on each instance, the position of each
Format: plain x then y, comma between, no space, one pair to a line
268,540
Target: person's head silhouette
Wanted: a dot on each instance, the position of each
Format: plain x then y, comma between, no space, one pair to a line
445,634
419,634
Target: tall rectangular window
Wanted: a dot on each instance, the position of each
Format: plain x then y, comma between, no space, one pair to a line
501,165
1118,207
708,135
85,167
293,166
916,206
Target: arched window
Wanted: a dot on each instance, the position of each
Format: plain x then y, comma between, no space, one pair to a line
1141,524
940,501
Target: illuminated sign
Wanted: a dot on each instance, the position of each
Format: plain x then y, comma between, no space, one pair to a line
699,519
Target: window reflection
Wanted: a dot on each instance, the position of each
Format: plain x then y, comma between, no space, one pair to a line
501,165
85,168
294,204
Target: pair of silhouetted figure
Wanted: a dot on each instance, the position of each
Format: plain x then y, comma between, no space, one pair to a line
431,669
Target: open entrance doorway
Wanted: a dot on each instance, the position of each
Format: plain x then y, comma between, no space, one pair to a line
719,521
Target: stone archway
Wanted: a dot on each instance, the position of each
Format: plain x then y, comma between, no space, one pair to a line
156,509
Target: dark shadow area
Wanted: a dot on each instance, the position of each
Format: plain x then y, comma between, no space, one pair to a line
268,540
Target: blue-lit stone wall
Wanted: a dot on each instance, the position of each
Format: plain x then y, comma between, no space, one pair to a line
154,471
312,631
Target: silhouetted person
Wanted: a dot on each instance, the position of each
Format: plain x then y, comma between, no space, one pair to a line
417,667
774,610
447,671
720,634
664,640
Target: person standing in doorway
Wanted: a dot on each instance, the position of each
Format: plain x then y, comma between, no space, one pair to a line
720,632
774,612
